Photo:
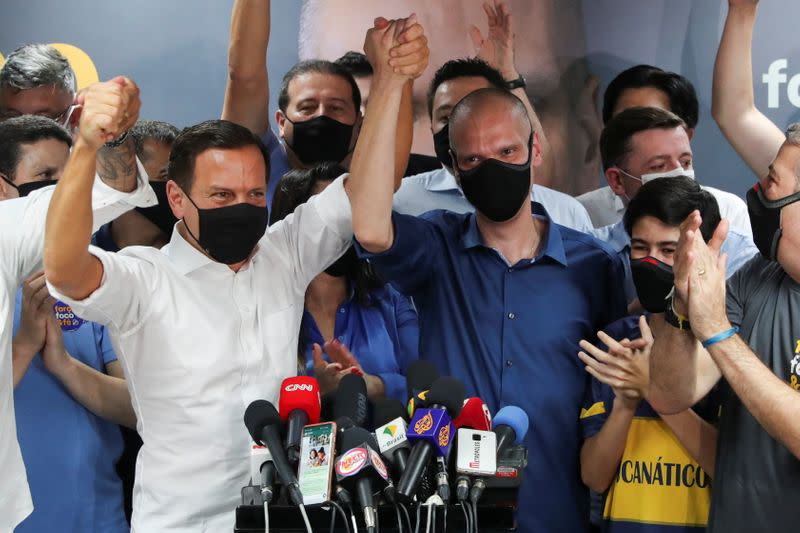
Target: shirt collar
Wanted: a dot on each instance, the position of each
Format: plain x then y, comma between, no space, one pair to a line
618,204
442,180
552,247
185,257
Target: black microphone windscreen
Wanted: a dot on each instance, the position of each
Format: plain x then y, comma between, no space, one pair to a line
351,399
448,392
326,410
354,437
386,410
420,375
258,415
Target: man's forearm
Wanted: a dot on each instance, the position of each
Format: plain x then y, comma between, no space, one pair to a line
405,133
602,452
697,436
117,167
247,89
68,263
105,396
768,398
369,188
21,356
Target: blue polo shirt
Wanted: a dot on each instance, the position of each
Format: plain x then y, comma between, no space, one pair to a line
70,454
383,336
511,333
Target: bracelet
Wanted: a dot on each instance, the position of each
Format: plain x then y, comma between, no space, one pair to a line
719,337
116,142
675,319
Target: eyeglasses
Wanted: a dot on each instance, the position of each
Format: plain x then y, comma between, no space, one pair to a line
62,118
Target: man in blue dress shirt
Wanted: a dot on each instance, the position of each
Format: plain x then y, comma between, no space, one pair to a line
503,295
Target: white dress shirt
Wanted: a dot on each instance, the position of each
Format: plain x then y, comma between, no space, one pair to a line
606,208
438,189
22,223
199,342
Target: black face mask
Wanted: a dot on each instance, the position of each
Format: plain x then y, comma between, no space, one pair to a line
497,189
229,234
26,188
765,219
321,139
160,215
653,281
346,266
441,145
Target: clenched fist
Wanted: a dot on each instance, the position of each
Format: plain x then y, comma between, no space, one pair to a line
110,109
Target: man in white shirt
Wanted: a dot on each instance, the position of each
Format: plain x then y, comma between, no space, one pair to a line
493,67
109,109
209,323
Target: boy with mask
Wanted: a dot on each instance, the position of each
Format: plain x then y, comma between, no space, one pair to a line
319,115
503,293
656,469
203,326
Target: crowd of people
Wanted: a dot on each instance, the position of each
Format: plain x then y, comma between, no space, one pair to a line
172,276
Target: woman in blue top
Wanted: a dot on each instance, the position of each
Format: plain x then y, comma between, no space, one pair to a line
353,322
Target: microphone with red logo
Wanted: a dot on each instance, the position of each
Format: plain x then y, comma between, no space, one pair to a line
431,431
474,419
299,405
360,470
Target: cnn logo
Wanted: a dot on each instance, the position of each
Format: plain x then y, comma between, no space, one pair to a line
303,387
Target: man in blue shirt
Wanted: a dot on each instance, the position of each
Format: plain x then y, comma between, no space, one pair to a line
503,295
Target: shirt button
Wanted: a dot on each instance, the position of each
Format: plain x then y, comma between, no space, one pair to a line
341,310
512,316
341,339
510,269
509,363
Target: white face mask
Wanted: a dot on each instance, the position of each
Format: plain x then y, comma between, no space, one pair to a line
674,173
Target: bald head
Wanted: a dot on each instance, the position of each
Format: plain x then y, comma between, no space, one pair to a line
489,107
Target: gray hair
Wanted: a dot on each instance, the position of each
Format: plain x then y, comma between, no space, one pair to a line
36,65
793,134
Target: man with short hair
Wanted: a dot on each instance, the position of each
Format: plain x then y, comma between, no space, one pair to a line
641,144
744,335
33,152
319,115
358,66
218,308
648,86
110,108
504,294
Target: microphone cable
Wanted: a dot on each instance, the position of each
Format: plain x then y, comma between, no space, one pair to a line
266,516
408,518
336,508
467,518
305,518
475,515
419,515
353,518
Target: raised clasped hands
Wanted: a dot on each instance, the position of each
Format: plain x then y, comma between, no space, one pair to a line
108,109
397,49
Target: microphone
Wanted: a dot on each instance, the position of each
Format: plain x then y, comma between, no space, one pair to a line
351,400
262,467
299,405
432,431
326,411
510,426
474,415
263,423
389,416
360,469
420,376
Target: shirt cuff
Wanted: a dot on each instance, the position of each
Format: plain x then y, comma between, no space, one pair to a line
394,386
333,207
104,195
90,308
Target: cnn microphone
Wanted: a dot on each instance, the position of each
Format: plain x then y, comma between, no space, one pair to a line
431,431
351,400
299,405
360,470
389,417
263,423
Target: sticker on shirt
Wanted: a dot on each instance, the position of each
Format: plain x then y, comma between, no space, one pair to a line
794,367
67,319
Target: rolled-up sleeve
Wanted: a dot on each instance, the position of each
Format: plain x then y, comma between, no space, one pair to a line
125,293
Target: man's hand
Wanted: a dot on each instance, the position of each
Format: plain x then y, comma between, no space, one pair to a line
327,374
742,3
109,109
37,305
397,49
625,367
497,48
54,355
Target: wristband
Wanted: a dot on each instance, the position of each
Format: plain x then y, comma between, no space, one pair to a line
116,142
674,319
719,337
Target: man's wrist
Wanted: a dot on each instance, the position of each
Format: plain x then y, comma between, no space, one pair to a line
623,404
63,368
22,349
706,330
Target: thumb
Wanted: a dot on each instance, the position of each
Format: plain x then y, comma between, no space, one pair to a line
122,81
644,327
